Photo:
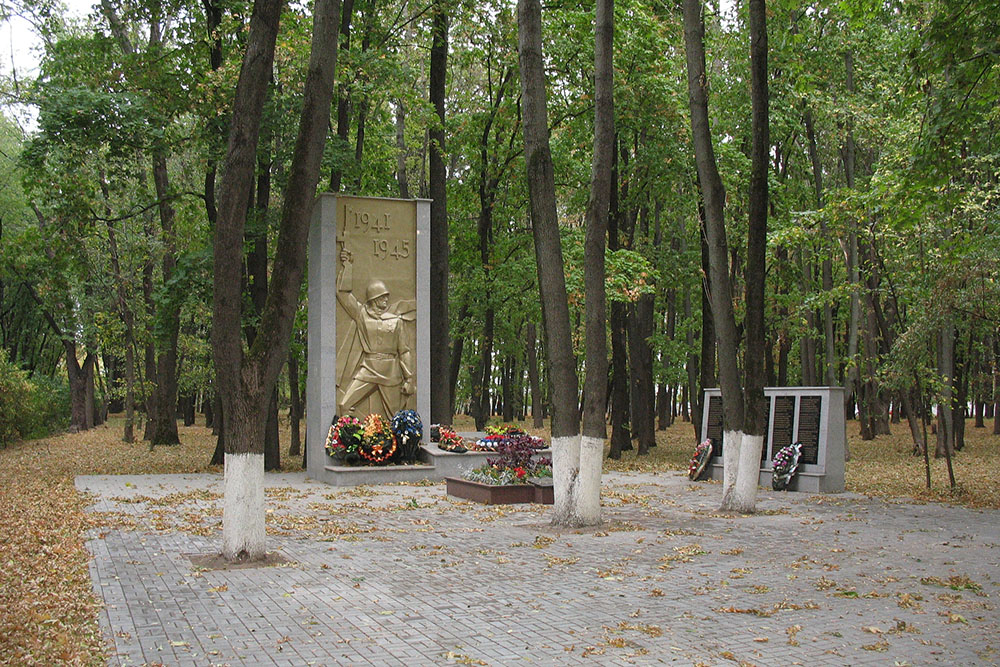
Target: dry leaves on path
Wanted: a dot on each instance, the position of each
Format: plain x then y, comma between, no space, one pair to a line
48,614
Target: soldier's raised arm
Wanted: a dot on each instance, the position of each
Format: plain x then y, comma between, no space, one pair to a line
345,285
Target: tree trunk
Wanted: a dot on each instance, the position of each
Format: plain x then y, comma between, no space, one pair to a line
851,387
455,362
208,405
295,406
161,350
256,282
246,382
482,374
188,404
77,377
621,430
807,345
640,321
961,401
913,419
662,407
533,380
91,409
784,339
693,368
149,351
996,385
707,366
946,369
401,178
506,390
272,444
128,319
621,438
440,387
359,141
641,330
164,422
549,262
217,412
343,97
830,377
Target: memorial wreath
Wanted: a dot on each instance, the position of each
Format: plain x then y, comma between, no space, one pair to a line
699,460
378,443
344,437
784,465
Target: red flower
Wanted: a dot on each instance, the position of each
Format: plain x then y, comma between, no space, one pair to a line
520,472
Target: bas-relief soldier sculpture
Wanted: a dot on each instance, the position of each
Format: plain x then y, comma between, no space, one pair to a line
374,359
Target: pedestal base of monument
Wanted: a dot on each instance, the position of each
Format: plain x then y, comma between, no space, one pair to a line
806,481
435,466
372,475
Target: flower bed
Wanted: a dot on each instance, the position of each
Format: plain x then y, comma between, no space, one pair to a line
512,477
504,435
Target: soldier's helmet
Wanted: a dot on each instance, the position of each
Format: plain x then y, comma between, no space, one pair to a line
376,289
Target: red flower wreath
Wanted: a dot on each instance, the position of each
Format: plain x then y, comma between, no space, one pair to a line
699,460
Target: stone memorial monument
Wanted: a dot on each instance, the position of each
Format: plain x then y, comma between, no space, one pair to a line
813,416
369,337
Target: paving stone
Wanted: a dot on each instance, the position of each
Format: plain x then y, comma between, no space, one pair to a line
404,575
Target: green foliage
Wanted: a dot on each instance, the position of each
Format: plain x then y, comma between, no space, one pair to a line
29,407
922,205
629,275
15,391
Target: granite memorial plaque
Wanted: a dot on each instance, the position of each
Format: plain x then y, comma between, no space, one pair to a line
784,422
377,306
810,408
714,430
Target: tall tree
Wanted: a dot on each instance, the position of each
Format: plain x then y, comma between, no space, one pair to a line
744,495
247,377
549,258
162,425
720,287
595,387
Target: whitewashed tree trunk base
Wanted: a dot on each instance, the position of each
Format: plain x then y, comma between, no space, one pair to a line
565,470
243,534
588,484
731,445
744,495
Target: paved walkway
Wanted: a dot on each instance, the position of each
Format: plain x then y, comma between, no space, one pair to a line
404,575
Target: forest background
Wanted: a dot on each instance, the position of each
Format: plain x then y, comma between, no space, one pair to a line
881,259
